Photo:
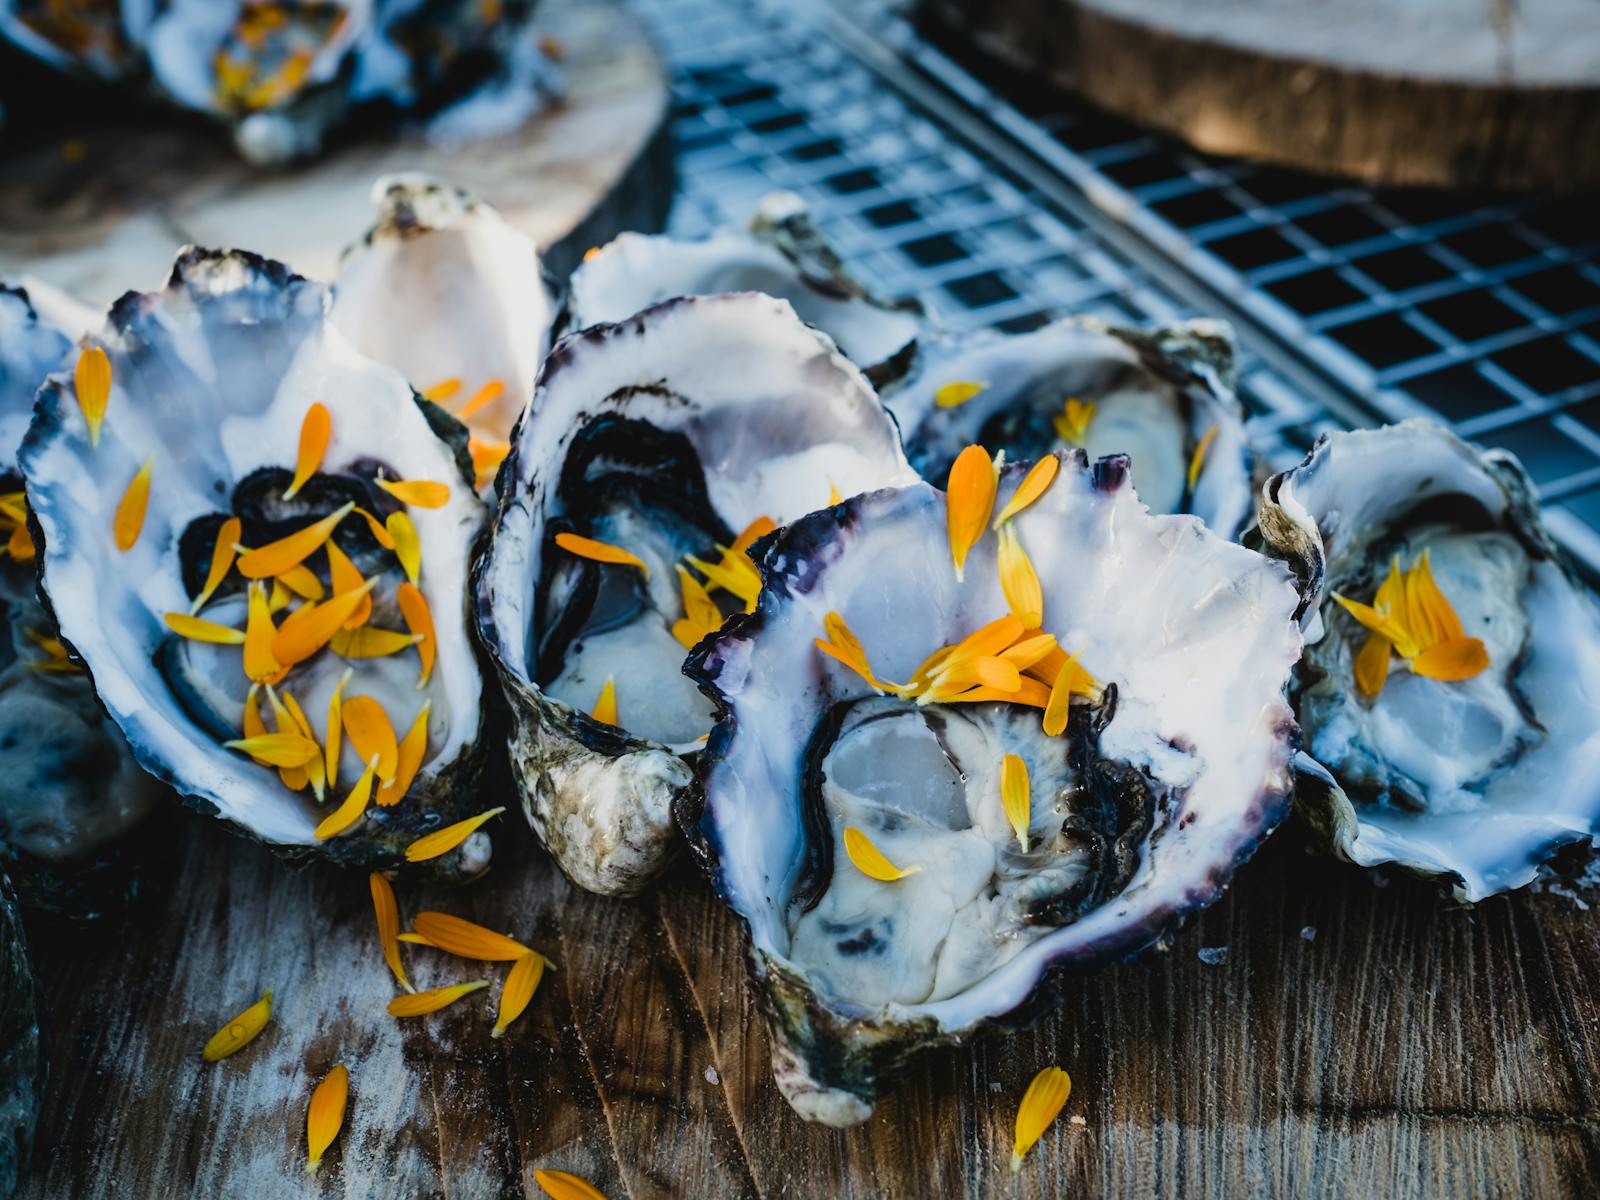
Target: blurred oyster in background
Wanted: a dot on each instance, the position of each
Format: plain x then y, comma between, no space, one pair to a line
70,791
281,74
1450,690
656,452
252,534
918,861
1164,397
454,298
783,255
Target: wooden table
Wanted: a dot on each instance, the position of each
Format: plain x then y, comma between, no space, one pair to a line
1358,1039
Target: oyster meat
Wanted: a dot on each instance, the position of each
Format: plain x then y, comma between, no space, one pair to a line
256,541
71,791
1163,397
450,295
1450,691
655,451
1066,772
782,255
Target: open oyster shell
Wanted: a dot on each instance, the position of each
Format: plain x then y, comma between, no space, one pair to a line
70,791
212,384
1166,778
1476,780
782,255
666,434
22,1062
1164,397
96,38
451,296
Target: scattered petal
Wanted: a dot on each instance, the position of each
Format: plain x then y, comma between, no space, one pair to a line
482,398
408,759
521,982
20,544
466,939
869,860
561,1185
751,534
371,642
371,733
388,914
1072,423
335,729
957,392
129,520
1459,658
222,553
1019,581
345,577
325,1117
600,551
1016,796
1034,484
419,620
1372,664
198,630
443,390
309,628
91,379
442,841
377,529
354,805
315,427
277,749
420,1004
969,499
605,708
407,547
1041,1104
1197,460
241,1031
278,557
419,493
302,581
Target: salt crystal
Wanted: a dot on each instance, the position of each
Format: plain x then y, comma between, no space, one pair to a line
712,1076
1212,955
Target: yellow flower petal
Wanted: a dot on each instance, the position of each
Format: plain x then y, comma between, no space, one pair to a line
560,1185
442,841
129,520
315,427
1072,423
20,544
833,493
371,733
1041,1104
325,1117
869,860
335,729
467,939
1372,664
302,581
600,551
515,993
1034,484
969,499
1029,651
1019,581
419,493
371,642
486,459
91,379
379,531
1423,593
200,630
241,1031
751,534
408,759
1016,797
698,606
1060,701
956,393
1198,459
420,1004
388,915
482,398
733,573
344,576
309,628
403,540
277,557
605,708
277,749
443,390
221,561
1457,659
354,805
419,619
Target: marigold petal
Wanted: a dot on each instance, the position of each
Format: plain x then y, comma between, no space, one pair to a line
309,628
733,573
20,544
302,581
413,748
91,379
419,619
1372,664
1034,484
335,732
199,630
241,1031
466,939
387,912
1073,421
751,534
315,427
1016,797
377,529
515,993
344,576
563,1185
598,551
957,392
442,841
1041,1104
969,499
275,558
1444,624
1374,619
277,749
1019,581
869,860
443,390
419,493
370,641
371,733
482,398
325,1116
129,520
1059,704
405,543
1459,658
1029,651
605,708
354,805
222,552
698,606
1197,460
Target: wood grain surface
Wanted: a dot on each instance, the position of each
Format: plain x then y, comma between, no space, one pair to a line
1356,1040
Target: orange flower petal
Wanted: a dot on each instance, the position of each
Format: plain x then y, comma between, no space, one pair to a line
388,915
408,759
308,629
371,734
419,620
345,577
354,805
91,379
605,708
442,841
204,631
1041,1104
222,553
1016,797
420,1004
1034,484
1372,664
562,1185
1459,658
406,545
129,520
419,493
482,398
466,939
1019,581
277,557
325,1117
315,427
869,860
521,982
969,499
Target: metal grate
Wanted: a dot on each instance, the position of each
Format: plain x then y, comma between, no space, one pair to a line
995,207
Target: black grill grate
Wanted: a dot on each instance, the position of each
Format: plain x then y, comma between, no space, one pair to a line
1000,208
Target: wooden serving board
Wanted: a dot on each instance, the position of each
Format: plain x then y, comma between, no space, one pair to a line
1449,93
109,215
1356,1040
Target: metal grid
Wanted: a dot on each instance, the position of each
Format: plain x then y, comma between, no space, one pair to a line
996,209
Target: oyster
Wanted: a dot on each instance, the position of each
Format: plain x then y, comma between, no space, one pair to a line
95,38
22,1062
1450,691
1165,398
253,535
655,451
782,255
917,861
71,791
491,307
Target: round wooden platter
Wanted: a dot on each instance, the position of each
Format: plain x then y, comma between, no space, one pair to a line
107,215
1496,94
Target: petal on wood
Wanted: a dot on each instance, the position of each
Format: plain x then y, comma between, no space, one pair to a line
241,1031
325,1116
